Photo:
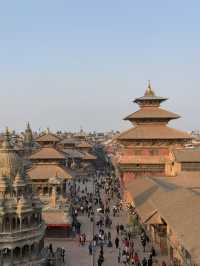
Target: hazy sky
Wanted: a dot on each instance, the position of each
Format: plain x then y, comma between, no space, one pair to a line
66,64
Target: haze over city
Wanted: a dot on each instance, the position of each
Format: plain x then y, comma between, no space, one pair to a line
67,64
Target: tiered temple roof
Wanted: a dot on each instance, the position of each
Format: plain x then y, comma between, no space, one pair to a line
150,121
151,132
47,138
43,171
47,153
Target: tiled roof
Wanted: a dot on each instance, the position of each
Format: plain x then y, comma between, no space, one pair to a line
68,141
56,217
47,153
83,145
48,171
145,98
177,206
72,153
187,155
49,137
152,112
88,156
185,179
142,132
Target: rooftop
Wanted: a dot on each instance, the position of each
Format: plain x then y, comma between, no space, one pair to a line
56,218
153,113
141,132
72,153
154,196
48,171
149,95
88,156
47,153
47,137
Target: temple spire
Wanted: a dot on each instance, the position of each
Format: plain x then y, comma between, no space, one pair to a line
149,92
6,143
28,126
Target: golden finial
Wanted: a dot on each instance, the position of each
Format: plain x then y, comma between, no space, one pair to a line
7,133
149,92
28,126
6,143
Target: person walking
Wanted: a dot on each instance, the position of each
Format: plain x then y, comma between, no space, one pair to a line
136,259
116,242
109,236
150,261
117,229
63,254
124,258
90,249
144,262
119,256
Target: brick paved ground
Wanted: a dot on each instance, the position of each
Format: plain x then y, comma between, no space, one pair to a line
77,255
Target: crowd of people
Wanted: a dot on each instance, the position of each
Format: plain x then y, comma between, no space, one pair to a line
102,205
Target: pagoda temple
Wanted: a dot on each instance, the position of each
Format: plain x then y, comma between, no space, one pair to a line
47,163
47,139
145,149
21,226
50,175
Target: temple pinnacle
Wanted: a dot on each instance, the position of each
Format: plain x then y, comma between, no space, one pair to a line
149,92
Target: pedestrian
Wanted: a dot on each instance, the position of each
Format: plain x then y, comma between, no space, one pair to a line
117,229
129,235
124,258
63,254
119,256
144,262
150,262
153,252
116,242
51,248
100,260
109,235
90,248
136,258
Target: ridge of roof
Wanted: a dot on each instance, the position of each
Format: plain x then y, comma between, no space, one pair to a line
45,137
47,153
152,131
152,112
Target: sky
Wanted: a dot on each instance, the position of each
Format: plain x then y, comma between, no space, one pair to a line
72,64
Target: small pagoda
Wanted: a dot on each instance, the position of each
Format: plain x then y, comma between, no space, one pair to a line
145,148
47,163
50,176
